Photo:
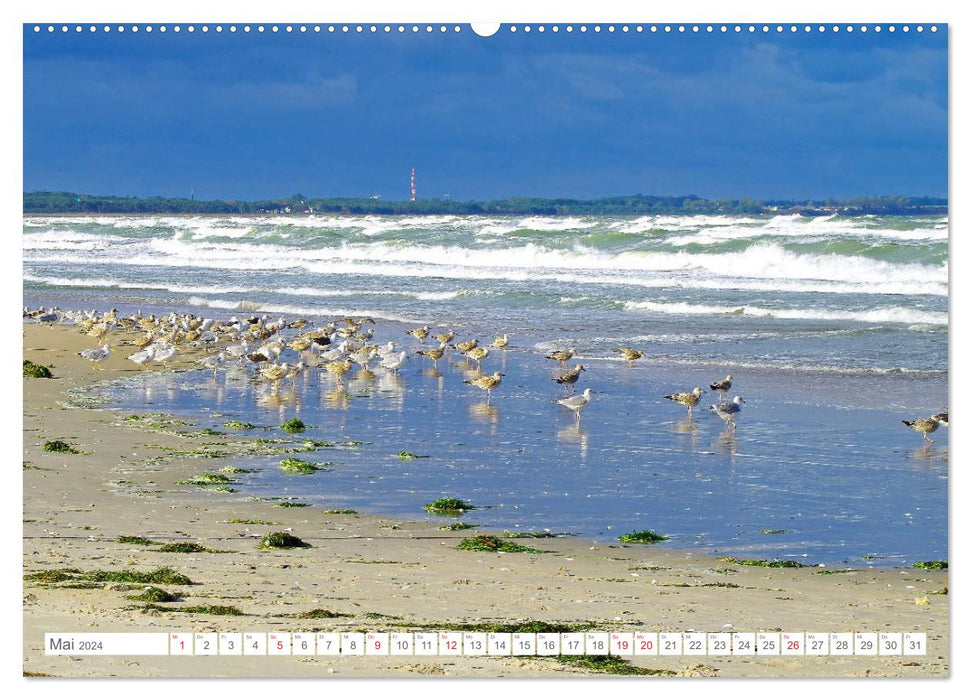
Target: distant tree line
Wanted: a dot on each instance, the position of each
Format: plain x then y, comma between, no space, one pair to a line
73,203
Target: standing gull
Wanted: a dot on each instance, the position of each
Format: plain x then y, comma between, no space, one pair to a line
687,398
722,386
728,410
576,403
562,356
926,426
630,354
568,379
501,342
96,355
434,353
488,383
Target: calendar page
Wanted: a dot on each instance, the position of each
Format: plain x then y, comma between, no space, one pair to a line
405,346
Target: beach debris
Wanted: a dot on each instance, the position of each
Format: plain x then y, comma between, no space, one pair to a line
60,447
771,564
151,594
404,456
294,425
281,540
136,539
457,526
292,465
642,537
491,543
448,506
35,371
931,565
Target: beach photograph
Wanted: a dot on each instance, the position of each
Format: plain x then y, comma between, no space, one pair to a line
448,351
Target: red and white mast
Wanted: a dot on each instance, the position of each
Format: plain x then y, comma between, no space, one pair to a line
412,184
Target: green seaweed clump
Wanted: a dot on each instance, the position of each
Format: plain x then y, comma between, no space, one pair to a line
199,609
207,479
457,526
136,539
774,564
318,614
53,575
292,465
154,595
451,507
931,565
162,575
294,425
642,537
291,504
529,535
491,543
238,425
183,548
281,540
247,521
405,456
340,511
60,446
35,371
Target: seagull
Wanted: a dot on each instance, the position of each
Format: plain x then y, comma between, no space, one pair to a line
723,385
478,354
420,333
926,426
488,383
728,410
445,337
576,403
467,345
275,373
687,398
96,355
435,354
568,379
165,352
501,341
143,356
393,362
562,356
630,354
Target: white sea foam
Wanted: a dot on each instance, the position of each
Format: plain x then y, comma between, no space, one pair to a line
887,315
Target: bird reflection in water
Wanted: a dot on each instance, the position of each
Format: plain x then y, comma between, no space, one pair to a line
577,436
336,398
485,413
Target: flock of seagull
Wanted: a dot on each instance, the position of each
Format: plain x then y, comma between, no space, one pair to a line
339,346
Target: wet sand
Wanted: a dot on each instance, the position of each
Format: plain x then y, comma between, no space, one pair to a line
382,574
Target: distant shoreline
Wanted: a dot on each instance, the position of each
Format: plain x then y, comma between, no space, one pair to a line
70,203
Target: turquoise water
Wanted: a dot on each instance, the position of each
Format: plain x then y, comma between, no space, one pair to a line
834,329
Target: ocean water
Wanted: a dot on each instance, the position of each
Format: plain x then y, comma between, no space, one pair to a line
834,329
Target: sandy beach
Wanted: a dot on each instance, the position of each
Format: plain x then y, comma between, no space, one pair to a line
375,573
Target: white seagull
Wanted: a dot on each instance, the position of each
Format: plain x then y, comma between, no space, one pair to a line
727,411
576,403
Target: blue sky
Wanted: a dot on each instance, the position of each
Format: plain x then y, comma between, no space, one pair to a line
246,116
